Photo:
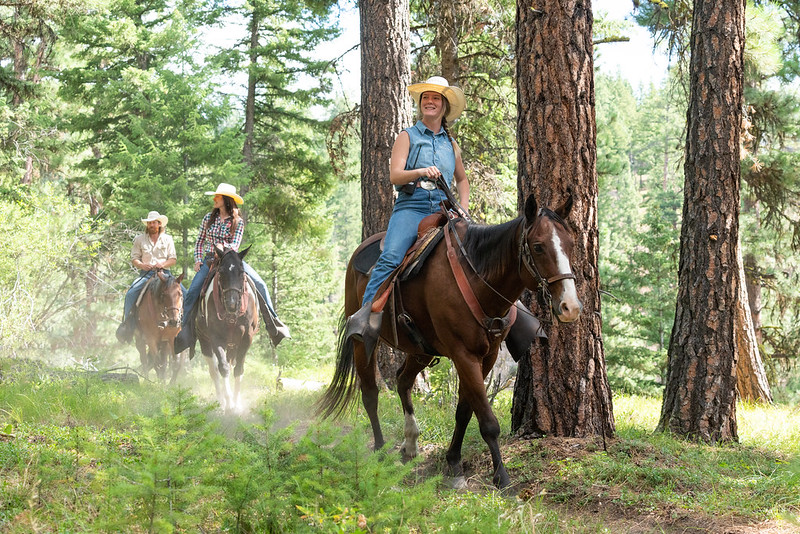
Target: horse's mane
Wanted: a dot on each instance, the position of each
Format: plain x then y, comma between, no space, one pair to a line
491,248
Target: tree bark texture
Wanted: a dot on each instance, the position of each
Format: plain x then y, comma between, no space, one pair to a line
563,388
700,394
385,111
385,103
751,378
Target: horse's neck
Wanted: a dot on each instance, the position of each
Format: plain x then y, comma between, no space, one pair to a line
502,283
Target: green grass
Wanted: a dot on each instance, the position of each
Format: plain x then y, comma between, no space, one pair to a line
83,455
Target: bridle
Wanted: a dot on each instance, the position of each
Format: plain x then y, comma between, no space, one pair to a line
526,260
230,316
166,309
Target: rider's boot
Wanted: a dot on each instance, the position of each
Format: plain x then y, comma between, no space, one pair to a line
275,328
186,338
126,328
365,326
523,333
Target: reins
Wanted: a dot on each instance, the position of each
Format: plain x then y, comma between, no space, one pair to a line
525,257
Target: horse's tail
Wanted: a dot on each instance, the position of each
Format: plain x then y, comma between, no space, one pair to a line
341,392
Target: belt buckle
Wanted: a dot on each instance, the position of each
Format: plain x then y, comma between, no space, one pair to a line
427,185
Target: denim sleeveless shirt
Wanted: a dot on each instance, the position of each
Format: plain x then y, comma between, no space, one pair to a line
427,149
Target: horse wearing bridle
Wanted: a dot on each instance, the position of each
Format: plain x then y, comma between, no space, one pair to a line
158,322
227,322
462,304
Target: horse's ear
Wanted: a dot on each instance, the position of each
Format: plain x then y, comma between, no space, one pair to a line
161,276
243,253
219,250
530,208
180,278
564,210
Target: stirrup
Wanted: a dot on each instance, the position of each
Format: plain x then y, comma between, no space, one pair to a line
365,326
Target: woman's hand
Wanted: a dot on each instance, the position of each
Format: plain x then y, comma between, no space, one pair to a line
197,266
431,172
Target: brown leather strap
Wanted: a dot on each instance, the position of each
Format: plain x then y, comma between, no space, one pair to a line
491,324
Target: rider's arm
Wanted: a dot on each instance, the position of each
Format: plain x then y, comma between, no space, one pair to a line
136,255
460,176
201,238
236,239
398,174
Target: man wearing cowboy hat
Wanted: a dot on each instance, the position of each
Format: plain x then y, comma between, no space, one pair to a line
152,251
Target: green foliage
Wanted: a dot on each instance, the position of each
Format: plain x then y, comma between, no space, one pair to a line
159,460
50,241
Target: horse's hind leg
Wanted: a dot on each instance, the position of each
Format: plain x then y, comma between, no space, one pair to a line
405,382
472,398
367,374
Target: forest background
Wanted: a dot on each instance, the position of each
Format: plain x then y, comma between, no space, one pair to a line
113,108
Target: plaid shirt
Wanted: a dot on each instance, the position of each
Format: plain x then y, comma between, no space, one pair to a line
219,232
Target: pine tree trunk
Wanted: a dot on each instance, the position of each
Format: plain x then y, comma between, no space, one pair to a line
563,388
700,394
751,378
385,111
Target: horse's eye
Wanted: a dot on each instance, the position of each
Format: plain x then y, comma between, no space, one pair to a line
538,248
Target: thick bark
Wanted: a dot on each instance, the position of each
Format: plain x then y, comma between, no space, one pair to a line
385,111
751,378
563,389
700,394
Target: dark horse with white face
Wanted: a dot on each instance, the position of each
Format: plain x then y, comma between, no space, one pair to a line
158,322
227,323
532,251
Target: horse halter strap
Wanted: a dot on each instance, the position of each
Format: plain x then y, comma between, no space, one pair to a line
526,259
219,295
493,325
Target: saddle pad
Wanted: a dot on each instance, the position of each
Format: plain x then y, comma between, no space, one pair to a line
144,290
429,242
367,257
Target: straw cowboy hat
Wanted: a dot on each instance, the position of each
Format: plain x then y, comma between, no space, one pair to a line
226,190
453,94
153,216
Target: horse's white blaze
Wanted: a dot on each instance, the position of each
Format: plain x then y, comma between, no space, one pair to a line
569,295
409,446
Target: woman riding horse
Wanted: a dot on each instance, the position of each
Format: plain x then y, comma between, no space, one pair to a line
420,155
223,226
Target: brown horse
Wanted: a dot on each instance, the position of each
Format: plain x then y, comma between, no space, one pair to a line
532,251
226,324
158,322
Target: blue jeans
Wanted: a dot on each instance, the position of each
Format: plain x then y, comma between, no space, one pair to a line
136,287
408,211
193,292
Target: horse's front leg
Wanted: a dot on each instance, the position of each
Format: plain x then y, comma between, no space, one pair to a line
463,416
473,391
219,369
405,382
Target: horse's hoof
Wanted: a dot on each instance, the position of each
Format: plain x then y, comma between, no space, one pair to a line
501,479
459,483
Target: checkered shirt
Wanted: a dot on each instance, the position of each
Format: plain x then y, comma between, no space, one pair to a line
219,232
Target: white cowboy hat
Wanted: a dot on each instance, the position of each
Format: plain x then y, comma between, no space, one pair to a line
453,94
226,190
153,216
